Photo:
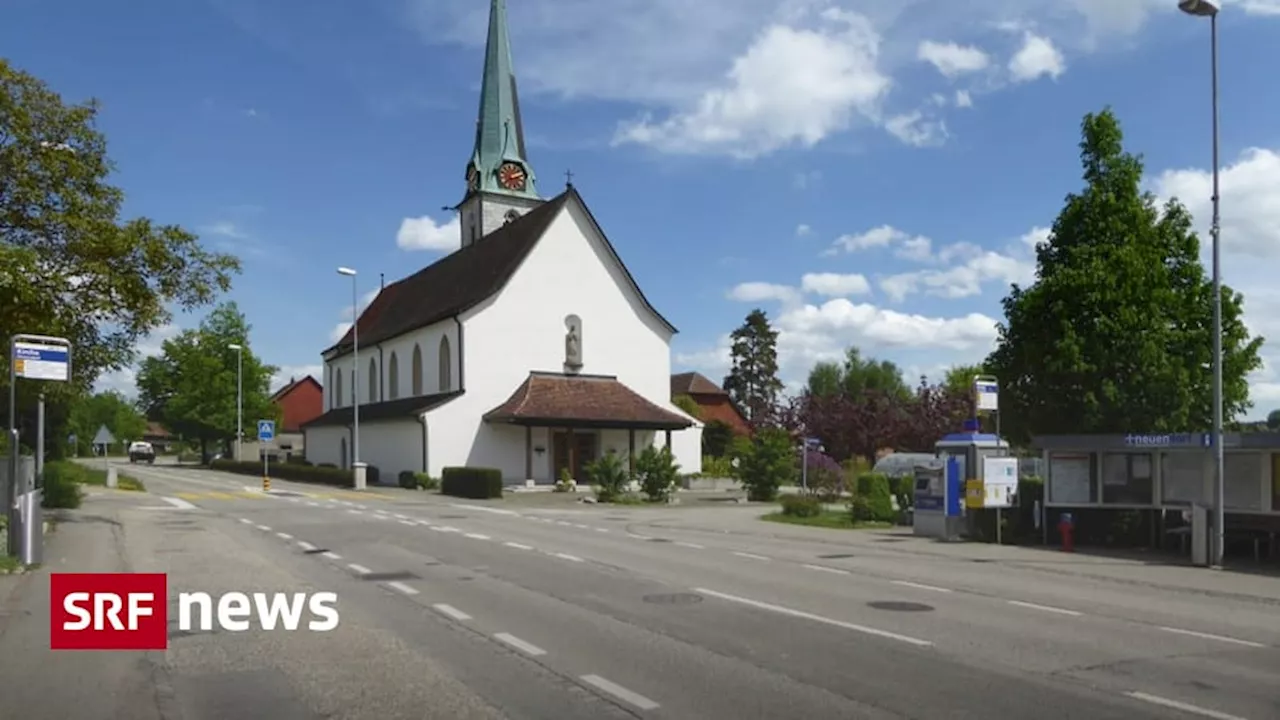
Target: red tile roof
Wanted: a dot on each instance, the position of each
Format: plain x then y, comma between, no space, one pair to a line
692,383
583,401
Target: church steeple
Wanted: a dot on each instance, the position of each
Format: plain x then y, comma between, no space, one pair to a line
498,162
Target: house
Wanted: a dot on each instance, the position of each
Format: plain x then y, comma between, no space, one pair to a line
159,437
712,401
300,401
530,349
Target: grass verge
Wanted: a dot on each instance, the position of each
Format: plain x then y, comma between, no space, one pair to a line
826,519
94,476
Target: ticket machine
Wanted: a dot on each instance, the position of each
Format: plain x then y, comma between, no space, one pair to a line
940,493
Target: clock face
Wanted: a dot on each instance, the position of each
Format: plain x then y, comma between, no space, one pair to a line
473,178
511,176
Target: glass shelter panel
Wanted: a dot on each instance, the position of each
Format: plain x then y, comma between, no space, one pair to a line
1071,479
1182,477
1243,472
1127,479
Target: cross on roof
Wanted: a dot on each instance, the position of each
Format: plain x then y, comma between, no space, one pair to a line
568,178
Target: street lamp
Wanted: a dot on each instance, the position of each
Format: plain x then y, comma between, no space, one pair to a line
355,362
1209,9
239,395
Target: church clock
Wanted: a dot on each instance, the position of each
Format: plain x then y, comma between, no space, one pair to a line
511,176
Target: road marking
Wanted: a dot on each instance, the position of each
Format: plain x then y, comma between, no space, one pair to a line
424,523
816,618
360,569
566,556
1046,608
401,517
264,528
284,536
561,522
634,536
311,504
448,528
306,545
1184,707
451,611
619,692
602,529
292,499
695,546
358,507
820,568
517,546
410,523
397,585
179,503
496,511
437,528
749,555
356,512
919,586
519,644
246,521
380,517
580,526
1219,638
333,556
476,536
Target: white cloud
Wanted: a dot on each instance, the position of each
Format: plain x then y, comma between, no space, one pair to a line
1036,58
754,292
1251,194
793,86
803,230
295,372
914,129
917,249
835,284
1261,7
345,313
423,233
878,237
963,99
1036,235
964,280
225,229
951,59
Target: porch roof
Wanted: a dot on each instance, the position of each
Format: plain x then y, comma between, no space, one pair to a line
582,401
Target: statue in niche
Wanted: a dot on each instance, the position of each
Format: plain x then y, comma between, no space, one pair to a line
573,342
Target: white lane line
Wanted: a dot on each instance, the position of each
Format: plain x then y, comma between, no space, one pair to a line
1184,707
521,645
517,546
451,611
293,499
179,503
566,556
496,511
819,568
332,556
356,512
695,546
311,504
920,586
359,569
264,528
401,517
1219,638
581,527
750,556
380,517
397,585
602,529
816,618
246,521
284,536
424,523
437,528
476,536
306,545
449,528
634,536
358,507
1045,608
410,523
619,692
561,522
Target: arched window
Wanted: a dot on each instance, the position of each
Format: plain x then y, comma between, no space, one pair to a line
373,381
446,369
335,396
393,377
417,370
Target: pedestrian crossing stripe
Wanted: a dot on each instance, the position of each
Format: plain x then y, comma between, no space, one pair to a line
259,495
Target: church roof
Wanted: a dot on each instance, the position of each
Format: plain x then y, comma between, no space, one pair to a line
692,383
465,278
583,401
389,410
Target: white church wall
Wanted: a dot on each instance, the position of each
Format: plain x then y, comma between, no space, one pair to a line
324,444
393,446
686,447
427,339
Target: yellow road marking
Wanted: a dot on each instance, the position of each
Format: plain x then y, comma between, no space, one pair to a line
191,496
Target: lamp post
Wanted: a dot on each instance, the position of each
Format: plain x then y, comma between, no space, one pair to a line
239,396
1209,9
355,378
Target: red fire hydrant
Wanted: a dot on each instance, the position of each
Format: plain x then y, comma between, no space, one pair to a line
1066,529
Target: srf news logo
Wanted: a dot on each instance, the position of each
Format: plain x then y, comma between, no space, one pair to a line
130,611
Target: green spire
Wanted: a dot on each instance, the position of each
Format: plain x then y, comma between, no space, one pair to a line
499,132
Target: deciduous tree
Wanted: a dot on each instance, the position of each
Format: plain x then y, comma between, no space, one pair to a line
752,382
108,409
1116,334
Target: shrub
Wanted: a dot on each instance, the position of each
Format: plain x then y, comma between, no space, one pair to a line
825,476
717,437
874,487
658,473
372,474
62,485
566,483
717,467
320,474
426,482
860,509
408,479
801,506
765,463
474,483
609,477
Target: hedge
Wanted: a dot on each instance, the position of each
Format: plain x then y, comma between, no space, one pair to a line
410,480
297,473
474,483
874,487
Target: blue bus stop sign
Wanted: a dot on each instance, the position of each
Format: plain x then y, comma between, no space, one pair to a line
266,430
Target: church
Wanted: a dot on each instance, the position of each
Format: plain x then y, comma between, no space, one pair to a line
530,348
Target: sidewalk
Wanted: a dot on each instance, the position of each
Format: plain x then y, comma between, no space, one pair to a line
1247,581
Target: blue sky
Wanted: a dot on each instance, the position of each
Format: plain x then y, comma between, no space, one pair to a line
868,171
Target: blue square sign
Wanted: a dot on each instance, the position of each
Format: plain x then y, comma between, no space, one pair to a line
266,430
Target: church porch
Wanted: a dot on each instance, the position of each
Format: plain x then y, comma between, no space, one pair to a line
568,421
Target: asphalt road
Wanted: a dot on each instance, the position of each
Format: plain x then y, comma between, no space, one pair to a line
462,609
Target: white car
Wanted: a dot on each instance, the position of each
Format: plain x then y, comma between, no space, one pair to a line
142,452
